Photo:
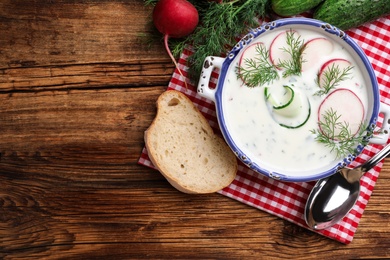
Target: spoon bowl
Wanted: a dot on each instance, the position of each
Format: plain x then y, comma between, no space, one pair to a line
323,210
333,197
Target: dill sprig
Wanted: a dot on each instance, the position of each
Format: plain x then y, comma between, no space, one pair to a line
259,70
332,78
220,25
295,47
336,134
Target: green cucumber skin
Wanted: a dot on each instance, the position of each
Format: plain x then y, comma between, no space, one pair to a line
346,14
293,7
267,96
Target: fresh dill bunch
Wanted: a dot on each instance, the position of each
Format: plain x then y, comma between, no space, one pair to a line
332,77
295,48
259,70
220,26
336,134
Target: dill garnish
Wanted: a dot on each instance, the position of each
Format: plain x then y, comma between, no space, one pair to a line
333,75
259,70
337,135
295,48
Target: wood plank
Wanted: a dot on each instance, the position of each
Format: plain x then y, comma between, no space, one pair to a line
41,33
46,45
167,222
98,75
62,123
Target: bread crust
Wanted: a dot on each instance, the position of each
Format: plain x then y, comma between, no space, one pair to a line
183,147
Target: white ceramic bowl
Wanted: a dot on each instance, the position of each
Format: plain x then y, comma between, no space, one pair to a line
278,168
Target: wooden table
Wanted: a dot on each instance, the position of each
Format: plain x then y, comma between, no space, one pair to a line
78,85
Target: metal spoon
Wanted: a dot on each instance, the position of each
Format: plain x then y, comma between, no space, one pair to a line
333,197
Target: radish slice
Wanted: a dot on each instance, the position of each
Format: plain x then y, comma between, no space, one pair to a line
314,49
347,105
255,68
340,64
249,54
276,52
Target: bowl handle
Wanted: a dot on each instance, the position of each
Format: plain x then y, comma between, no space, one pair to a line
210,63
383,134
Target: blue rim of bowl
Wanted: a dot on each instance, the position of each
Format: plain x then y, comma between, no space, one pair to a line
255,33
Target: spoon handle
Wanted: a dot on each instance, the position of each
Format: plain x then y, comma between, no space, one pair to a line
376,158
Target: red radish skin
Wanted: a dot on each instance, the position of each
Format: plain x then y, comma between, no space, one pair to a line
347,105
340,63
313,50
176,19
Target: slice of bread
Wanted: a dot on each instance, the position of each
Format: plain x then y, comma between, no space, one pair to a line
182,145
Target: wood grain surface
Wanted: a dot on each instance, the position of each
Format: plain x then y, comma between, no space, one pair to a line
78,85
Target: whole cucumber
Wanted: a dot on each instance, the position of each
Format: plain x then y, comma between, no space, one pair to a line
346,14
293,7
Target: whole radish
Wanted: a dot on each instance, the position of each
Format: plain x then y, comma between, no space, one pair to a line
176,19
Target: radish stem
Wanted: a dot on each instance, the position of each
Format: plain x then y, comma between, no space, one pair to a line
166,37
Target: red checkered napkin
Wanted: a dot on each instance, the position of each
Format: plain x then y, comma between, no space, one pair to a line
284,199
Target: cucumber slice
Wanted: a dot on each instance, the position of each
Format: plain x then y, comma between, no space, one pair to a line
280,100
284,102
294,122
292,111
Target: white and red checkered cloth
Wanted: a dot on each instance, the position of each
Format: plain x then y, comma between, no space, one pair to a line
284,199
